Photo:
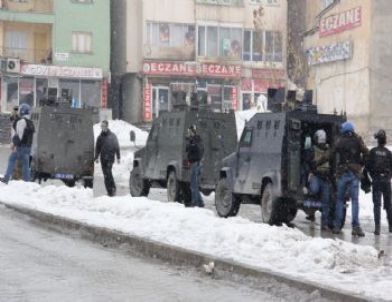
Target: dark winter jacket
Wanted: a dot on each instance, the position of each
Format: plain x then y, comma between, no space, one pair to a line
320,163
23,132
351,153
379,162
107,147
194,148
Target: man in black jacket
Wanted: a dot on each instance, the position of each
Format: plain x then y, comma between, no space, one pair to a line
106,148
379,165
195,150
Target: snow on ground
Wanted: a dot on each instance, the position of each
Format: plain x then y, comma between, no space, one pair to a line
122,130
329,262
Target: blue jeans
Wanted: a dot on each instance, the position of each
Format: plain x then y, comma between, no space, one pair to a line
197,200
319,185
348,182
22,154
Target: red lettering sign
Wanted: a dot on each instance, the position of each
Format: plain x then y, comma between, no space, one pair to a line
234,95
334,24
147,103
268,74
104,95
191,69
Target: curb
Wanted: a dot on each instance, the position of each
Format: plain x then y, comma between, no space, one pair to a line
177,255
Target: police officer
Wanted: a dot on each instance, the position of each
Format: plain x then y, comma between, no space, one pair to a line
379,165
195,150
107,147
350,153
319,178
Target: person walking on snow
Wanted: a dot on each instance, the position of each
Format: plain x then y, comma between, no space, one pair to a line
379,165
107,147
351,153
22,140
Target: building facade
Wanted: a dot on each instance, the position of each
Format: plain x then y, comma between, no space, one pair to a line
198,45
349,59
53,48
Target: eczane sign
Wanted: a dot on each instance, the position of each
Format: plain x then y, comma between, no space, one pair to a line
340,22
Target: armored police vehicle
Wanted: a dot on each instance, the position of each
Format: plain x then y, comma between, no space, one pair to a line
268,166
63,146
163,161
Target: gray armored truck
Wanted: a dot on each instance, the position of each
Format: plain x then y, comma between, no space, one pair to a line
163,161
268,166
63,145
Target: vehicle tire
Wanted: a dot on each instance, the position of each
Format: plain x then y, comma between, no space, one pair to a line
226,203
173,187
269,206
138,186
69,182
88,183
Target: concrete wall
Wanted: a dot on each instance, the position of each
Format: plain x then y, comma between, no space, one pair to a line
84,17
380,66
344,85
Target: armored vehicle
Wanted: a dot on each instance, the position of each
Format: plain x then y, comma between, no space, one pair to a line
63,146
163,161
267,168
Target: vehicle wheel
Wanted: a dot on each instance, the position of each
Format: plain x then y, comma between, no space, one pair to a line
88,183
173,187
226,203
268,206
291,211
69,182
137,185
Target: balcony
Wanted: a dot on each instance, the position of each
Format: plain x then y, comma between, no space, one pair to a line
28,11
34,56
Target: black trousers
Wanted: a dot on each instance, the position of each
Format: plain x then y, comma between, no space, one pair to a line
382,187
108,176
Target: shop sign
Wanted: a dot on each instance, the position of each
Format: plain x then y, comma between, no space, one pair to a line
191,69
330,53
61,56
337,23
268,73
221,2
104,97
147,102
234,95
61,71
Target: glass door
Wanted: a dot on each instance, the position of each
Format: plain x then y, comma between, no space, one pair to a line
160,100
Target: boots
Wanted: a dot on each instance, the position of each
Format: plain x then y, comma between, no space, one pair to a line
357,231
377,230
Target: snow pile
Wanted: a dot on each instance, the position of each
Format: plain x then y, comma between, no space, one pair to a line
289,251
120,171
122,130
241,117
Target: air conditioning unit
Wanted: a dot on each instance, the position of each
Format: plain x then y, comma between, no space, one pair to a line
13,65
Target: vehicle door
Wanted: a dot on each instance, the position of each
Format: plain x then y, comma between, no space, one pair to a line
244,154
294,155
151,155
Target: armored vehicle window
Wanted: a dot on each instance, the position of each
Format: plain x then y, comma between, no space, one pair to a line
171,122
178,122
217,125
268,125
260,125
246,139
277,125
164,122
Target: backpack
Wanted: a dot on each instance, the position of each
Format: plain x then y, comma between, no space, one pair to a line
28,134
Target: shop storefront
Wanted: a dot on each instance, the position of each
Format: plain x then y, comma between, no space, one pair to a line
162,79
86,87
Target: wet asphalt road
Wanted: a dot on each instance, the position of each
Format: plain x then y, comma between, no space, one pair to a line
44,266
251,212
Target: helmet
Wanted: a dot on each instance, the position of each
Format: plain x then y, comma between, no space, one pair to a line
347,127
381,137
24,109
192,128
320,137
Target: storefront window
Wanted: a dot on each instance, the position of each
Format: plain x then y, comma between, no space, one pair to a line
246,101
91,94
10,92
69,89
41,90
160,100
215,97
26,91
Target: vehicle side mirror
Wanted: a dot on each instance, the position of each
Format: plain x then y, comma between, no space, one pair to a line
132,135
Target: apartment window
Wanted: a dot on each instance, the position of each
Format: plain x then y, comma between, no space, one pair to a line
253,46
16,43
273,46
326,3
170,35
81,42
216,41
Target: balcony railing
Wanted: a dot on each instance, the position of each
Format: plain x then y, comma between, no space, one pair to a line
37,56
28,6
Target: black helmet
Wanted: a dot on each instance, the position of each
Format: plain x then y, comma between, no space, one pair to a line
381,137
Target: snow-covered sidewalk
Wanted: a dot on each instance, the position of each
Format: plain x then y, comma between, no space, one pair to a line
330,262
